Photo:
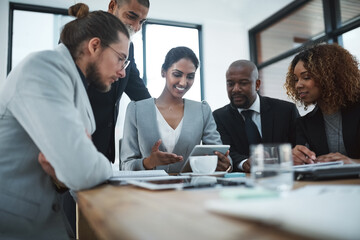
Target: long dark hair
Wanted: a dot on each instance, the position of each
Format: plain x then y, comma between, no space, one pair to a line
334,70
99,24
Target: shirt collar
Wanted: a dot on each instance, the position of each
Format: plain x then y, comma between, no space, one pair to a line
255,106
83,78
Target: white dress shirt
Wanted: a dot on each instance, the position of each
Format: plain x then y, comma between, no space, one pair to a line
169,136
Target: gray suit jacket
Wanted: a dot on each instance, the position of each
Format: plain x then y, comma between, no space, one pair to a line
141,132
44,107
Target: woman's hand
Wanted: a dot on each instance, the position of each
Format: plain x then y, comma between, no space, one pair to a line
223,162
158,157
302,155
333,157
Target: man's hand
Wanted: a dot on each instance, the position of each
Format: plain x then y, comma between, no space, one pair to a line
46,166
247,165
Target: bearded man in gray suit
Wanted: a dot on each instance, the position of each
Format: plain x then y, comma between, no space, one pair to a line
44,109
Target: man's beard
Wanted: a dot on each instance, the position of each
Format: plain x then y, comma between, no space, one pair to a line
94,78
244,105
130,30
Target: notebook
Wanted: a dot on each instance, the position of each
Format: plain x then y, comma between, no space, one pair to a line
338,171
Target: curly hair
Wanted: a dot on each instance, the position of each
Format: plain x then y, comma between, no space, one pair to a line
334,70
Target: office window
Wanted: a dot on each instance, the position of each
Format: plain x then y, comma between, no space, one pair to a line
351,42
159,40
27,36
350,10
275,41
291,31
273,79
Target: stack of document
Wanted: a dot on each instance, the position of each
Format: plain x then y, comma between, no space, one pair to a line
144,173
133,175
322,211
125,177
317,165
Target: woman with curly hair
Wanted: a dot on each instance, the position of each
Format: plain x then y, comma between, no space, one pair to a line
327,76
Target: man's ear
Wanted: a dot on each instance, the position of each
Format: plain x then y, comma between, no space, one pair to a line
94,46
112,6
258,83
163,74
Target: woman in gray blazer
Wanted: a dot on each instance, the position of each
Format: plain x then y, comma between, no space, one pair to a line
160,133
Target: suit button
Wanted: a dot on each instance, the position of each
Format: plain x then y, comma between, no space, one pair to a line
110,124
55,207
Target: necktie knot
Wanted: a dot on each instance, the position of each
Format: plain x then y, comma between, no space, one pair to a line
247,114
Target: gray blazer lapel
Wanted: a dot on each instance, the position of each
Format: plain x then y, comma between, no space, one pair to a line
146,116
81,97
186,129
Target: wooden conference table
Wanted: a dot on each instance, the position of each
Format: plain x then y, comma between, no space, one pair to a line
127,212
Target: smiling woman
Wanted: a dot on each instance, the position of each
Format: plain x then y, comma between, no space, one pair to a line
160,133
328,76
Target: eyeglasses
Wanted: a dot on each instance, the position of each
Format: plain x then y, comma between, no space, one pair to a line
126,61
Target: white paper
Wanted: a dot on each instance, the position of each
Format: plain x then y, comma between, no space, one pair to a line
322,211
317,165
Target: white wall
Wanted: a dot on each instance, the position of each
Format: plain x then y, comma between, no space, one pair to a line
225,31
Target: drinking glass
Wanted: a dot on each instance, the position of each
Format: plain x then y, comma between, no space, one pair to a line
271,166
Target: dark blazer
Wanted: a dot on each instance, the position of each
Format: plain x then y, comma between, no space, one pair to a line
310,130
278,120
106,106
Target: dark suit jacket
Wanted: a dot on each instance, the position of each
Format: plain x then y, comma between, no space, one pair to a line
106,106
278,120
310,129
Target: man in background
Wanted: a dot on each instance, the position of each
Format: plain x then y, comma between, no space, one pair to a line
105,106
251,118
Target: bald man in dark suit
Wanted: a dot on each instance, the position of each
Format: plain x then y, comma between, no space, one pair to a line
251,118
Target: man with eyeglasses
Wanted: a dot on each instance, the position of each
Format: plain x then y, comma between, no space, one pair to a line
105,106
45,116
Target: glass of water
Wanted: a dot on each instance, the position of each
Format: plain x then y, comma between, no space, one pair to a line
271,166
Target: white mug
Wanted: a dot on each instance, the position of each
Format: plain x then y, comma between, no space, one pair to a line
204,164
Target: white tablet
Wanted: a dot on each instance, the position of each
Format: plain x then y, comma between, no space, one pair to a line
201,150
